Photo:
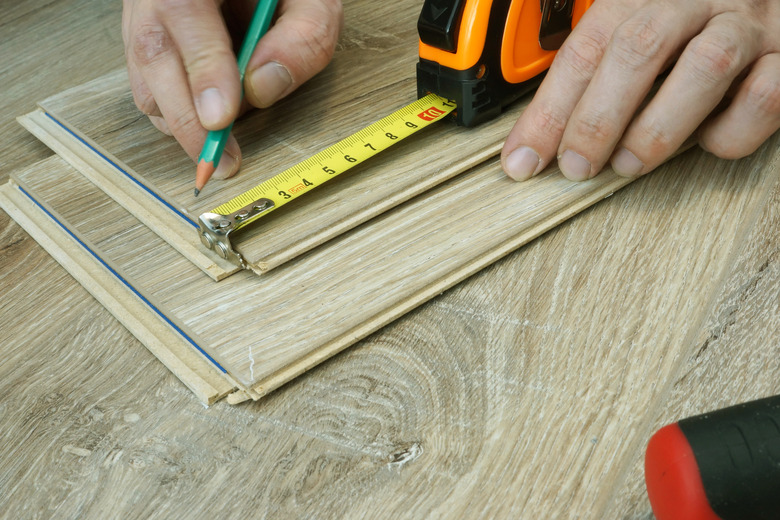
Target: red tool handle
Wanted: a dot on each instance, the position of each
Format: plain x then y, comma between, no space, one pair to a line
720,465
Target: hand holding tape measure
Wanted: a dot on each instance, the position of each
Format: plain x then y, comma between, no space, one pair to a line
483,54
185,81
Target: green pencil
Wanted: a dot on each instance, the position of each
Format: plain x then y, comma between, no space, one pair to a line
216,139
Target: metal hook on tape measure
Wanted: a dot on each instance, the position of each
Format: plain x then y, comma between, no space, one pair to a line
215,229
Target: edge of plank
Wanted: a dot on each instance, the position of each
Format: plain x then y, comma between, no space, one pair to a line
79,258
270,262
142,202
608,185
263,387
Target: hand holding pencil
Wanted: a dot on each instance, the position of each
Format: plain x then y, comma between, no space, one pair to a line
185,76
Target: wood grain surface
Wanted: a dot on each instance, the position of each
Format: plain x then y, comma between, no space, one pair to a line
527,391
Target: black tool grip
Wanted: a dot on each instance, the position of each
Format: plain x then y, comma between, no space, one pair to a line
723,464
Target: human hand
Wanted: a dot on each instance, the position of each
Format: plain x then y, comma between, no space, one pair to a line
725,82
183,71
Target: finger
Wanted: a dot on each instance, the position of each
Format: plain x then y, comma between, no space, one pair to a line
230,161
636,55
200,35
160,124
299,45
142,96
158,59
533,141
752,116
695,86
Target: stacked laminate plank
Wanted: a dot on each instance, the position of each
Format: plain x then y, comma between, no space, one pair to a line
116,209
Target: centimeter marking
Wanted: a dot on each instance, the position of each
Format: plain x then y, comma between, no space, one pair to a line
340,157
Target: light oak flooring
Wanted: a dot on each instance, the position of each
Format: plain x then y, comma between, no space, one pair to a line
527,391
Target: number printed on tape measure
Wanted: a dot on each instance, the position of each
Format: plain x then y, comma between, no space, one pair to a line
340,157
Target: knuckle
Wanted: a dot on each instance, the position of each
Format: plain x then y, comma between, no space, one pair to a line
173,6
145,102
596,128
149,42
655,139
549,121
160,124
723,149
583,54
205,59
762,94
637,41
713,58
319,38
759,9
184,123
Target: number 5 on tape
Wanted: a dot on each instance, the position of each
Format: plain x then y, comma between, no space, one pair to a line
217,225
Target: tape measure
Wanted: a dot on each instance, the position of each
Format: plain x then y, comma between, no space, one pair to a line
216,226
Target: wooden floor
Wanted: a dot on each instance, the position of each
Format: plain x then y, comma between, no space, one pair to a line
528,391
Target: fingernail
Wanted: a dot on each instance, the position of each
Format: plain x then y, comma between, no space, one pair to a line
523,163
211,108
269,82
626,164
574,166
228,166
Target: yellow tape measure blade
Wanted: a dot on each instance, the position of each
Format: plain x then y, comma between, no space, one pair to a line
343,155
217,224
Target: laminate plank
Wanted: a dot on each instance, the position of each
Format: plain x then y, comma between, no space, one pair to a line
200,376
490,400
441,238
372,75
108,173
255,328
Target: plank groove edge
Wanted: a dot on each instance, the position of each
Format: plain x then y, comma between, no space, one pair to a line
201,377
84,156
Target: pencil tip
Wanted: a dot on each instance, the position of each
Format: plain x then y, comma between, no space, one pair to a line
203,174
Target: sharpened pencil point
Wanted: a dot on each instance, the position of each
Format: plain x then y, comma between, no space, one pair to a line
203,174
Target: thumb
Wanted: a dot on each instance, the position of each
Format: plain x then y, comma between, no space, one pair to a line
299,45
